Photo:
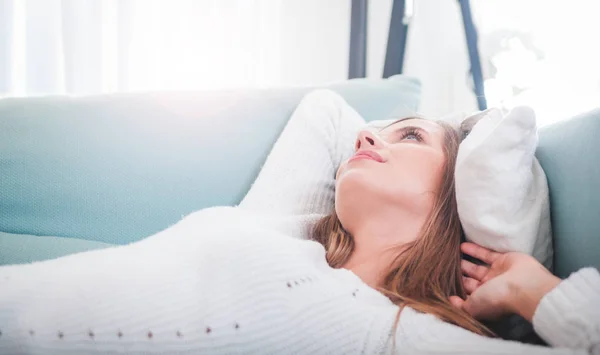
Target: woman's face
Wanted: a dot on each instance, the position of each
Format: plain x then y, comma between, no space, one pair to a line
399,166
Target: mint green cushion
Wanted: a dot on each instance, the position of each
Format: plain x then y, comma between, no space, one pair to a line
23,248
117,168
569,152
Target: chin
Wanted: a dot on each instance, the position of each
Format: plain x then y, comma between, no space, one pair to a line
361,182
355,193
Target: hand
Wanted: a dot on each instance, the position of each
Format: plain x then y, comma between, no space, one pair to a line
509,283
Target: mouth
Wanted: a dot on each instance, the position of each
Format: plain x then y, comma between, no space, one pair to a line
367,154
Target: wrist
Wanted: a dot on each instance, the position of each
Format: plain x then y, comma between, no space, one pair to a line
527,296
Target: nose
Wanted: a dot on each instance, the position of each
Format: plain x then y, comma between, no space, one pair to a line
367,140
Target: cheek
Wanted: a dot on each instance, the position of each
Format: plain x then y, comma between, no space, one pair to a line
415,176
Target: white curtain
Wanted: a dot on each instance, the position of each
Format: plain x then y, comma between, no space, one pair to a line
50,46
95,46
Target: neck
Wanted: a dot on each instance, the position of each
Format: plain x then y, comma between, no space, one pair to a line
378,239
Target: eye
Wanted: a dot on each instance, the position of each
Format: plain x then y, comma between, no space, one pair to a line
411,134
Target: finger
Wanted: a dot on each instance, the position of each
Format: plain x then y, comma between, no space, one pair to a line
479,252
477,272
470,284
457,302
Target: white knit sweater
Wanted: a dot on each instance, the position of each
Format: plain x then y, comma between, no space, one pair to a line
231,280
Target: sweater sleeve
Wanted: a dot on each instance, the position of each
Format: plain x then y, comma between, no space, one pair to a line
569,315
567,318
298,176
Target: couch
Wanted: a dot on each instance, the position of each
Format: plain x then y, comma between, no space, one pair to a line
82,173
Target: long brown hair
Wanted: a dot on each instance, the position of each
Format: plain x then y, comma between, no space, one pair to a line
427,272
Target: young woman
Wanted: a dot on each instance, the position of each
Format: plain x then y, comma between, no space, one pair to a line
290,271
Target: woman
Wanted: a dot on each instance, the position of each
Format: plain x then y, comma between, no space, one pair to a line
230,280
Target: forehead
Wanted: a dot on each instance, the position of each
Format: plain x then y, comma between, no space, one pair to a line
426,125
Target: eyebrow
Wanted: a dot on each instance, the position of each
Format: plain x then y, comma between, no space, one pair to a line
393,123
401,120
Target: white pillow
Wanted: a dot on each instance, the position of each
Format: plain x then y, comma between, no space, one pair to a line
501,189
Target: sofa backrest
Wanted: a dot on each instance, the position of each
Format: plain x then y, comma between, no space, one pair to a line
569,152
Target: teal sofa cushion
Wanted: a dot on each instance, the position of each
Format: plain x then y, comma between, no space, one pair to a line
23,248
569,153
117,168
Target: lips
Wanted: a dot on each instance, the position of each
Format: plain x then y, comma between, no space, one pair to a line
367,154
